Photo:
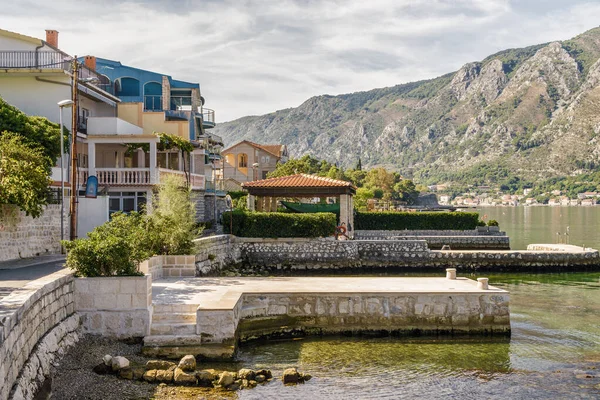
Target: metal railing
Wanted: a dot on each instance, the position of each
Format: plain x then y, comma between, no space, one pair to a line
181,103
152,103
208,116
34,60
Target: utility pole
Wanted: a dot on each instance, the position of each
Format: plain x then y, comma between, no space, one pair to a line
74,191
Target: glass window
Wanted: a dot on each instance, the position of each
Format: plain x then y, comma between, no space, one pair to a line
243,161
114,204
128,204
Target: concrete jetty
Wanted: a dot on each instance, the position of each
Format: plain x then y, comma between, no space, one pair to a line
210,316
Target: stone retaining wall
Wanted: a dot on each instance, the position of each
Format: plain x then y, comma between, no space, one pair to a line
457,240
22,236
260,315
215,252
382,234
37,324
118,307
291,254
310,253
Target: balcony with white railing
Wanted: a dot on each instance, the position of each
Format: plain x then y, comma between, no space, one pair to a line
124,176
197,182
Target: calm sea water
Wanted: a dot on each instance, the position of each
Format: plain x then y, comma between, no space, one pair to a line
526,225
553,353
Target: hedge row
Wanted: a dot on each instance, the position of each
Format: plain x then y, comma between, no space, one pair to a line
416,220
275,225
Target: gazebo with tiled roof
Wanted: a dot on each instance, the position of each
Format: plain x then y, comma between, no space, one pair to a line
263,194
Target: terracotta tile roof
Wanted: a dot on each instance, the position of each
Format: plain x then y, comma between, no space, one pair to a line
298,181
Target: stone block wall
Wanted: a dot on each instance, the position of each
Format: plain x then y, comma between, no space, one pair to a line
37,324
22,236
118,307
457,240
153,267
258,315
214,252
383,234
178,266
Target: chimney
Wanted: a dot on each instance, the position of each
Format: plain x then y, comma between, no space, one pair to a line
52,37
90,62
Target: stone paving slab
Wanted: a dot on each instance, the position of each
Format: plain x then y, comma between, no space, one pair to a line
223,293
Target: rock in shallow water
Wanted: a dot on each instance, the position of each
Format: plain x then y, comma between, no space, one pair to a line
160,364
126,373
188,363
119,363
290,375
150,375
206,377
183,378
246,373
165,376
226,378
107,360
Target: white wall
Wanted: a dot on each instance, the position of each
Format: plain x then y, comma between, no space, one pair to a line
11,44
91,213
37,98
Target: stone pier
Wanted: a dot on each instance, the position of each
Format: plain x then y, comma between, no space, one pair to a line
233,310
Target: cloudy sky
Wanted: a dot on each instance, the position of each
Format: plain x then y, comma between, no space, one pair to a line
254,57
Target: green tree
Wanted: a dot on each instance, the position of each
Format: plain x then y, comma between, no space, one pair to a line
173,218
23,174
406,191
362,196
36,132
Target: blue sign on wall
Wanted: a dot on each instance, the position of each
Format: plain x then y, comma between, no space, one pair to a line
91,189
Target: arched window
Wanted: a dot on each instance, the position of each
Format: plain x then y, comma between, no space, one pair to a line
243,160
129,87
153,96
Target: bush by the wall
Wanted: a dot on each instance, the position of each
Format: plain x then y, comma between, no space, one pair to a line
492,222
416,220
275,225
114,248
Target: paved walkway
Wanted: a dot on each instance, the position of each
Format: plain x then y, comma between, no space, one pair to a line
17,273
223,293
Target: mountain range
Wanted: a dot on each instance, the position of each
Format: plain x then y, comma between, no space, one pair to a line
530,113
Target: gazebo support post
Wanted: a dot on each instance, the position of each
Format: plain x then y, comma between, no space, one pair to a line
347,214
250,203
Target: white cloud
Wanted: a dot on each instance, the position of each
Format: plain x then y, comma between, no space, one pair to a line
254,57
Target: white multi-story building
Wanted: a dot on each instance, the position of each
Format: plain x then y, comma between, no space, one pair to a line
119,109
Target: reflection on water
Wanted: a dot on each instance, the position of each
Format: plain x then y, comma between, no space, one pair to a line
554,352
526,225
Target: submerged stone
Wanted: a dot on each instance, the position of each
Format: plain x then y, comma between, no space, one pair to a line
159,364
188,363
181,377
226,378
290,375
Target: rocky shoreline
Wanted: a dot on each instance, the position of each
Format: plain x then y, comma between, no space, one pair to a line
88,371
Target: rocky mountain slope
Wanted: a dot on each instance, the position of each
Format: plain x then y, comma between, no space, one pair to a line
531,113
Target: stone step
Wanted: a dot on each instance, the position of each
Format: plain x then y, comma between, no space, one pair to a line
170,328
170,308
175,347
170,340
174,317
